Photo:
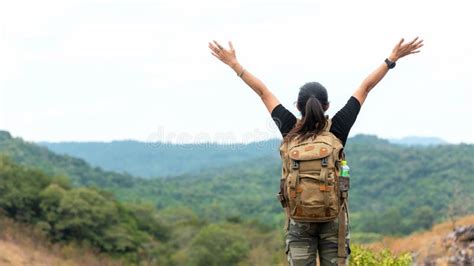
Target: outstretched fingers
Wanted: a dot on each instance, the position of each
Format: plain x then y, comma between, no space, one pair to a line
418,44
214,48
218,45
405,48
226,55
400,42
414,48
413,41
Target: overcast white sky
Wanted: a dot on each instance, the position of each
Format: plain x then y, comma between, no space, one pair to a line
109,70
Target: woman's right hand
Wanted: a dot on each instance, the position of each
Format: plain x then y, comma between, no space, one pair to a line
400,50
227,56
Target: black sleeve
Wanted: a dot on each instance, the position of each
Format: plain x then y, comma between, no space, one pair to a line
343,120
284,119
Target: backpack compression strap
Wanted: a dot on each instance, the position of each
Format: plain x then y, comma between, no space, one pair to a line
341,241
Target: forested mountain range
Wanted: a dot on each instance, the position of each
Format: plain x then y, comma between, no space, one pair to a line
394,189
79,171
418,141
156,159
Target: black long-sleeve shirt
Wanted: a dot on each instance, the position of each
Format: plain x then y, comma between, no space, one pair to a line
342,121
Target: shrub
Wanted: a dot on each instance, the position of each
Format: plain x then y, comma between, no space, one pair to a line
218,245
365,257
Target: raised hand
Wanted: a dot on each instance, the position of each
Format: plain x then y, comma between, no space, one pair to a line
402,49
227,56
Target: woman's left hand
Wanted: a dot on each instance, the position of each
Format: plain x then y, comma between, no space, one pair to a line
227,56
403,49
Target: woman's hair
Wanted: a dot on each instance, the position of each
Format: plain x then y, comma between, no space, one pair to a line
312,103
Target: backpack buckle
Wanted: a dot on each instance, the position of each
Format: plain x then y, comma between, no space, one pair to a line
295,164
324,162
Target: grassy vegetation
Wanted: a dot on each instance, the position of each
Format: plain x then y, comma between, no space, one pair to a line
430,243
176,221
23,244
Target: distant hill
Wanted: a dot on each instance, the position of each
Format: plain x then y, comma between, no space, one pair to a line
79,171
394,189
418,141
163,159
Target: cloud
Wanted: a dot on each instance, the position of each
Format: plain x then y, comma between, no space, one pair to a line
152,55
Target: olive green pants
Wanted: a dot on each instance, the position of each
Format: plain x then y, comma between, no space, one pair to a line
306,241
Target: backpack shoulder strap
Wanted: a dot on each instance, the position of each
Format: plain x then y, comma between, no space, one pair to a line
328,125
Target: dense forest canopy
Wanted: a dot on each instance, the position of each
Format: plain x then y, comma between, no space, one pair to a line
174,219
157,159
146,159
395,189
135,234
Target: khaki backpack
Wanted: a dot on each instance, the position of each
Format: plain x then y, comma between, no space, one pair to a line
310,187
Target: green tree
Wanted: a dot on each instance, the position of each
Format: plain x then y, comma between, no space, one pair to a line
84,214
19,190
218,245
148,220
423,218
51,198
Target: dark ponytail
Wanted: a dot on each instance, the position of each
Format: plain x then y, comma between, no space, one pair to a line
312,103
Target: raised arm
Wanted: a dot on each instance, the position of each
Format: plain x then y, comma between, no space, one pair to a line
400,50
228,57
